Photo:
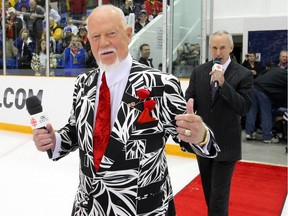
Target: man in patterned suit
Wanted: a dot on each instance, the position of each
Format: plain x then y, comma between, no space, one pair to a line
133,177
222,114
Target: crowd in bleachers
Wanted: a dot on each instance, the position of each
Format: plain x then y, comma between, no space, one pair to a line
69,47
188,56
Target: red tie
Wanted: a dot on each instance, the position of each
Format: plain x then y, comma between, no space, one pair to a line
102,126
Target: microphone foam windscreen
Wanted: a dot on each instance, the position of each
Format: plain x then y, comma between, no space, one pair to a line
217,61
33,105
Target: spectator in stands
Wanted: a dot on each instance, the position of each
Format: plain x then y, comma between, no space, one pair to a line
83,20
283,56
63,7
90,61
252,65
26,46
56,30
138,6
19,3
153,8
24,10
66,39
73,27
11,53
74,57
269,92
41,3
54,14
128,7
14,24
39,60
35,20
181,58
141,21
77,8
145,53
7,5
193,54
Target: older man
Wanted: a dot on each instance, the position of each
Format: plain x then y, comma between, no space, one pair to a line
123,167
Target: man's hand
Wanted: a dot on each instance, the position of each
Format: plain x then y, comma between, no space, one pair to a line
217,76
44,139
191,128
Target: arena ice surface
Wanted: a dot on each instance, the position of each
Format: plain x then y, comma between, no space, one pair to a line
33,185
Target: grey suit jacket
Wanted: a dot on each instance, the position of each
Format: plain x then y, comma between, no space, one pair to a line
223,114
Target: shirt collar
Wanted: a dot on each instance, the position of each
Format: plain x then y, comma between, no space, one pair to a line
122,71
226,64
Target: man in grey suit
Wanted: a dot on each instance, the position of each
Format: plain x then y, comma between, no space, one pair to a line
131,176
222,113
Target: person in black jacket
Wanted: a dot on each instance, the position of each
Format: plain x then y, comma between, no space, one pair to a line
14,24
221,111
145,53
142,21
269,92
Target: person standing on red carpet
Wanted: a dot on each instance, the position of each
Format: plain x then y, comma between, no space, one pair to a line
222,113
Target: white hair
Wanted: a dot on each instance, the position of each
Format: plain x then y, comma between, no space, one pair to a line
110,9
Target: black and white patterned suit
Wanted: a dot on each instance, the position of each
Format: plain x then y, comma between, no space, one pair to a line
133,176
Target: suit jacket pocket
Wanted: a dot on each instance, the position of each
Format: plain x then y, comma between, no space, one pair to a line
146,125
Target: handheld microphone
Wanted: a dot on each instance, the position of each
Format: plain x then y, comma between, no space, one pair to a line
38,117
217,66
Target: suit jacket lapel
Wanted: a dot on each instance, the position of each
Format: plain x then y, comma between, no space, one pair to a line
87,119
230,72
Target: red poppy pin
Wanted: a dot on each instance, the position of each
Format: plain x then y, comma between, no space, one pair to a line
149,104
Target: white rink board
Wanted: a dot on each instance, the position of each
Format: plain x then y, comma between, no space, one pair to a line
56,98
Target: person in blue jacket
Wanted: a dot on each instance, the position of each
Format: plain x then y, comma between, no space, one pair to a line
74,57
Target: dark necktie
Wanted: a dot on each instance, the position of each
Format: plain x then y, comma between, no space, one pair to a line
213,89
102,125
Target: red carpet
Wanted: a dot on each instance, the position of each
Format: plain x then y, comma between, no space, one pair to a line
257,190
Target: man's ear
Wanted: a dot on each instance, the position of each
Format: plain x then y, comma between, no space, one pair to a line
129,33
232,47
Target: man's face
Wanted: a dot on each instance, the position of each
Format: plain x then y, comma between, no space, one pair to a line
74,42
82,32
143,17
69,21
108,36
129,3
220,47
51,23
180,50
32,4
145,52
283,57
251,57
